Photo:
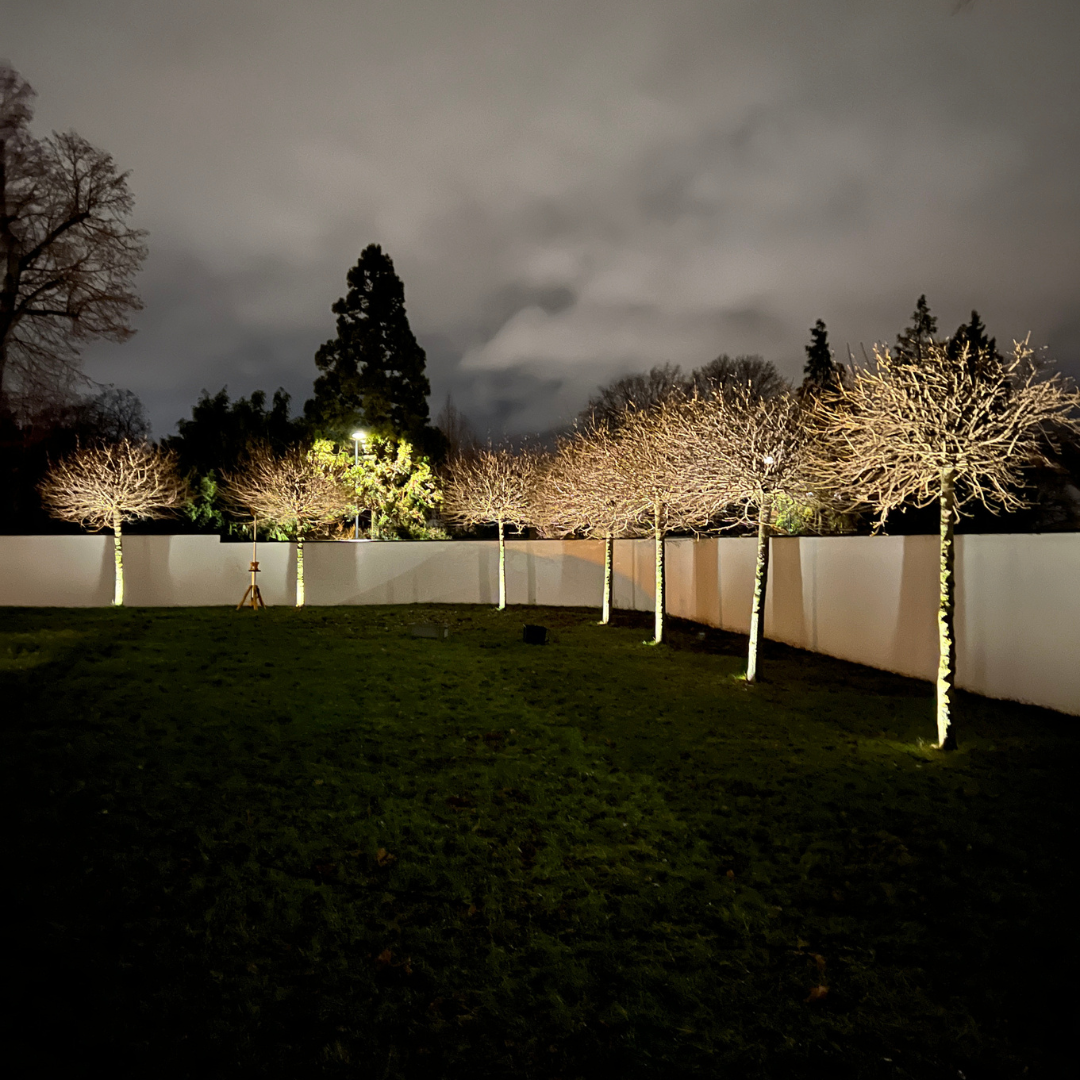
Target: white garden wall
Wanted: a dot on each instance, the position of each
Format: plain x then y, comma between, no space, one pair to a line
872,600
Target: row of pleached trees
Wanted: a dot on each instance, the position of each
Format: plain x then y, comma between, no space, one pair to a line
952,427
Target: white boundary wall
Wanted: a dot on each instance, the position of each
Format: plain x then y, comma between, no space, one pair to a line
872,600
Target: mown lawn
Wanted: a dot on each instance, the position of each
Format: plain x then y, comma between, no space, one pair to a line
310,843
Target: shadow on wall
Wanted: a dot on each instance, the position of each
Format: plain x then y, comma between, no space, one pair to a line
914,647
785,610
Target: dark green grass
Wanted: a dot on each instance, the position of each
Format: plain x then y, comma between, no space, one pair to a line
308,843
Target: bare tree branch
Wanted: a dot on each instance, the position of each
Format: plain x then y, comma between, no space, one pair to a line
103,486
67,255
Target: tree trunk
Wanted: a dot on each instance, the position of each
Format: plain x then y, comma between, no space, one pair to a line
609,575
118,562
946,610
761,582
299,571
502,567
661,583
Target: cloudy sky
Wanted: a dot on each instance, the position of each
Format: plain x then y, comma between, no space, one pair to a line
570,189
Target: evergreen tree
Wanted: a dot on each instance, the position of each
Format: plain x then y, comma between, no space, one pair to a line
914,342
220,432
973,336
372,373
820,371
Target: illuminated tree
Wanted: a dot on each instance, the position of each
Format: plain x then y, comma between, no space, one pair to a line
101,487
396,486
952,428
492,487
746,456
297,492
67,255
637,467
571,498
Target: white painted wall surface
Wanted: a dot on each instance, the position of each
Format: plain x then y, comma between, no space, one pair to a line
872,600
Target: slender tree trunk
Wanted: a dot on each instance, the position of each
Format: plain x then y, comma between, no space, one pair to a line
946,610
502,567
118,562
299,571
661,582
609,575
761,582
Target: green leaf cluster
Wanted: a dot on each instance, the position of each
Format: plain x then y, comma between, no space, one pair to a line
392,482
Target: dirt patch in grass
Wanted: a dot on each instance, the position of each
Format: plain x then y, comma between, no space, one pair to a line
311,842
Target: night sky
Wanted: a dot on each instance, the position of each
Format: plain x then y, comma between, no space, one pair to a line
570,190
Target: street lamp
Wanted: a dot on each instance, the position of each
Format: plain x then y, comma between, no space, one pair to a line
358,437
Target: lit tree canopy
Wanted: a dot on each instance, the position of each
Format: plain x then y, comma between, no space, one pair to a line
745,456
572,497
295,491
101,487
950,427
636,469
492,486
391,482
67,255
904,425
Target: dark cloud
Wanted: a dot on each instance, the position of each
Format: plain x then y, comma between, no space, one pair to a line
571,191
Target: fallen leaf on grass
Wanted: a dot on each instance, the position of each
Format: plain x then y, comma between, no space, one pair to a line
816,994
730,875
384,858
819,960
385,959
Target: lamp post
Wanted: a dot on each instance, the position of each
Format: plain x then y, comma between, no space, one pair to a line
357,437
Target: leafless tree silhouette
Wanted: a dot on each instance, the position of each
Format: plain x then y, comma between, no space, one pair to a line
67,255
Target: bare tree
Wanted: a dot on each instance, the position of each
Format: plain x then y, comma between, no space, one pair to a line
67,255
492,487
101,487
454,424
957,430
727,373
635,468
571,498
609,406
296,491
745,453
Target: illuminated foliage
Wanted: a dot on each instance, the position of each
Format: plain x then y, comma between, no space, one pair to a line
395,485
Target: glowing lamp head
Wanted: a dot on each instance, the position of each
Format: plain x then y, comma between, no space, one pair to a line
359,436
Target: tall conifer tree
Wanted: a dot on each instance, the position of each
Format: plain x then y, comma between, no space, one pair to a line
972,335
372,373
820,371
913,344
